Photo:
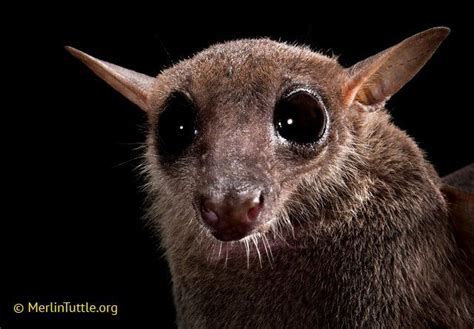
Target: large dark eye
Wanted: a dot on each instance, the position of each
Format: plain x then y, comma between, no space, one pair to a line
176,125
300,118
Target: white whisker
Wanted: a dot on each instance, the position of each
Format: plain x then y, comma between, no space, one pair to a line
247,249
271,259
255,242
220,249
226,254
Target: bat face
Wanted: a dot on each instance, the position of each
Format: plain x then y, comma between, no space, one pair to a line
254,136
235,139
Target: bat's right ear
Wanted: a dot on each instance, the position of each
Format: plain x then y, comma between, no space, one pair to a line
133,85
374,80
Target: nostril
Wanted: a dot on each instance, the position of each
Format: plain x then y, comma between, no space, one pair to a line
254,211
209,215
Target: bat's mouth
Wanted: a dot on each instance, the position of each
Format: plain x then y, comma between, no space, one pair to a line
233,234
258,247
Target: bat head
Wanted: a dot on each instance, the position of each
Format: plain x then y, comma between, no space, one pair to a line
248,135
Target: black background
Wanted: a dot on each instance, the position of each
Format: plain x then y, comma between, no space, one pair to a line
71,229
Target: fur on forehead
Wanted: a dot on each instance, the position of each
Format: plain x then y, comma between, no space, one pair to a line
253,65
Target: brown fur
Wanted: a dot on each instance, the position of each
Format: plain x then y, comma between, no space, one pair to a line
355,232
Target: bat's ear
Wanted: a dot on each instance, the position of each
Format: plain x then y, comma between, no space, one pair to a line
133,85
461,212
374,80
458,190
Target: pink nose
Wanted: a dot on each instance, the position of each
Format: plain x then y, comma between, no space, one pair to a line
232,218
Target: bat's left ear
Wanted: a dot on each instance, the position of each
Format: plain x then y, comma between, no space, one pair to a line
373,81
461,212
133,85
458,190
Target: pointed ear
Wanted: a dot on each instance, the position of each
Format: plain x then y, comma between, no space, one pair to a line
133,85
374,80
458,190
461,212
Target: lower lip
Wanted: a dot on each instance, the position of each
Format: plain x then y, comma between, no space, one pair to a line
226,237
